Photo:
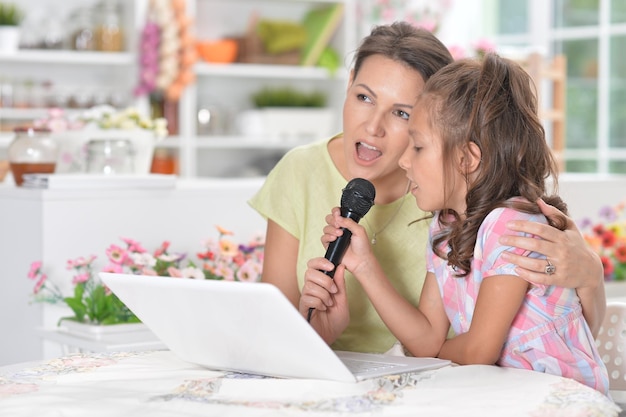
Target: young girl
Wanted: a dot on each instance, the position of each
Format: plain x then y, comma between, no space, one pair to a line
477,158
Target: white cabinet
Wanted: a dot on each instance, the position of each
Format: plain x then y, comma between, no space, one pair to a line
57,225
225,89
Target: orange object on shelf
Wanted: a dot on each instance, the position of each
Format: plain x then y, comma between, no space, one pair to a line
164,162
223,51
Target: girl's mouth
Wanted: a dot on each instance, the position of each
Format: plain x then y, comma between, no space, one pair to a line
367,152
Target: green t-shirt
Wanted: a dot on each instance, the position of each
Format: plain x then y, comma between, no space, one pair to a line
298,194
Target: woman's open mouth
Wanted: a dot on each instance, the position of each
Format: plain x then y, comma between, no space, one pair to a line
367,152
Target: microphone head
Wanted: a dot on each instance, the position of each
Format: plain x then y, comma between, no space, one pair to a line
358,197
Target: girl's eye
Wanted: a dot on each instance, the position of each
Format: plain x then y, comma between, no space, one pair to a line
417,148
363,97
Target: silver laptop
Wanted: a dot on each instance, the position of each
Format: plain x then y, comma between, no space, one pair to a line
246,327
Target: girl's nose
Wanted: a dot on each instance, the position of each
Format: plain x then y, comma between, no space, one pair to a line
403,162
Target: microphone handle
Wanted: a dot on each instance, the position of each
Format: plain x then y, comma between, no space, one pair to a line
337,249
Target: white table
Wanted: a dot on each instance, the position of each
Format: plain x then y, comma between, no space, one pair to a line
158,384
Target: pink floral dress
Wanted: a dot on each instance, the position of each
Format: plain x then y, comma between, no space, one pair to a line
548,334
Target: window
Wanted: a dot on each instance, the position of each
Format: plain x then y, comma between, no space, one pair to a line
592,35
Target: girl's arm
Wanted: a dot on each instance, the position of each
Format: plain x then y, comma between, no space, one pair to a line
577,265
498,302
422,331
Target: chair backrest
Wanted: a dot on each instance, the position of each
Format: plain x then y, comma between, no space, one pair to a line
611,342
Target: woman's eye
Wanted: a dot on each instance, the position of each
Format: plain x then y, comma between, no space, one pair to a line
363,97
417,148
402,114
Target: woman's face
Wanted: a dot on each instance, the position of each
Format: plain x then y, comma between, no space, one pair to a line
378,103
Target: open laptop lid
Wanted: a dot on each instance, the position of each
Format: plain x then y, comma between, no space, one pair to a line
243,327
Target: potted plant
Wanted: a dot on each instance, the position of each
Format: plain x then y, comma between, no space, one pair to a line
287,114
94,308
10,18
103,123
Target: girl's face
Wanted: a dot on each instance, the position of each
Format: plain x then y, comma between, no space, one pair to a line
378,103
423,162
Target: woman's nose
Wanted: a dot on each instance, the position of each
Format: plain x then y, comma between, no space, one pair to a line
375,126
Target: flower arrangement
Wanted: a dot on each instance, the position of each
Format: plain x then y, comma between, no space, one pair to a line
608,239
93,302
103,117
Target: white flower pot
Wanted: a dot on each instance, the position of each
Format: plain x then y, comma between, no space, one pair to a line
9,39
283,124
73,148
129,332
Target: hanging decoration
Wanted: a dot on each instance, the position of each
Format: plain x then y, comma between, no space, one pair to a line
167,52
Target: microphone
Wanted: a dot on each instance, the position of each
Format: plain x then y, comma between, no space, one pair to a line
356,200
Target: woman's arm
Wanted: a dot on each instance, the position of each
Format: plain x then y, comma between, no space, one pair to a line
577,265
279,262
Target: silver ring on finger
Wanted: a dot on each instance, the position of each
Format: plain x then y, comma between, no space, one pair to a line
549,269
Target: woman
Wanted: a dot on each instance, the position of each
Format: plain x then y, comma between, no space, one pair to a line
390,69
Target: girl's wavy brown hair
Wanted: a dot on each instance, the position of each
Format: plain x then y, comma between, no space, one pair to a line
492,103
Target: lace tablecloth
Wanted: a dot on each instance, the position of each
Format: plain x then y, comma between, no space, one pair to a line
157,383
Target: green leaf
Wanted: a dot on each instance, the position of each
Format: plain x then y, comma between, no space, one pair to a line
77,307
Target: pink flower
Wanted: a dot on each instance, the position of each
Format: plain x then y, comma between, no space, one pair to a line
35,269
250,271
116,254
133,245
80,262
81,278
484,45
225,271
162,249
40,283
115,268
457,52
174,272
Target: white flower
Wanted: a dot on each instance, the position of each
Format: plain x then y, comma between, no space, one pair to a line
192,272
143,259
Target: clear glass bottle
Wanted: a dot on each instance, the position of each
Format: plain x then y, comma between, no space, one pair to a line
32,151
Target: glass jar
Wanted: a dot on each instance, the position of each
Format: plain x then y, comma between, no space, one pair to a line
82,37
32,151
109,33
110,156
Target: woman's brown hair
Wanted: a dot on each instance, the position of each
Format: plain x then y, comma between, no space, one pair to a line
400,41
